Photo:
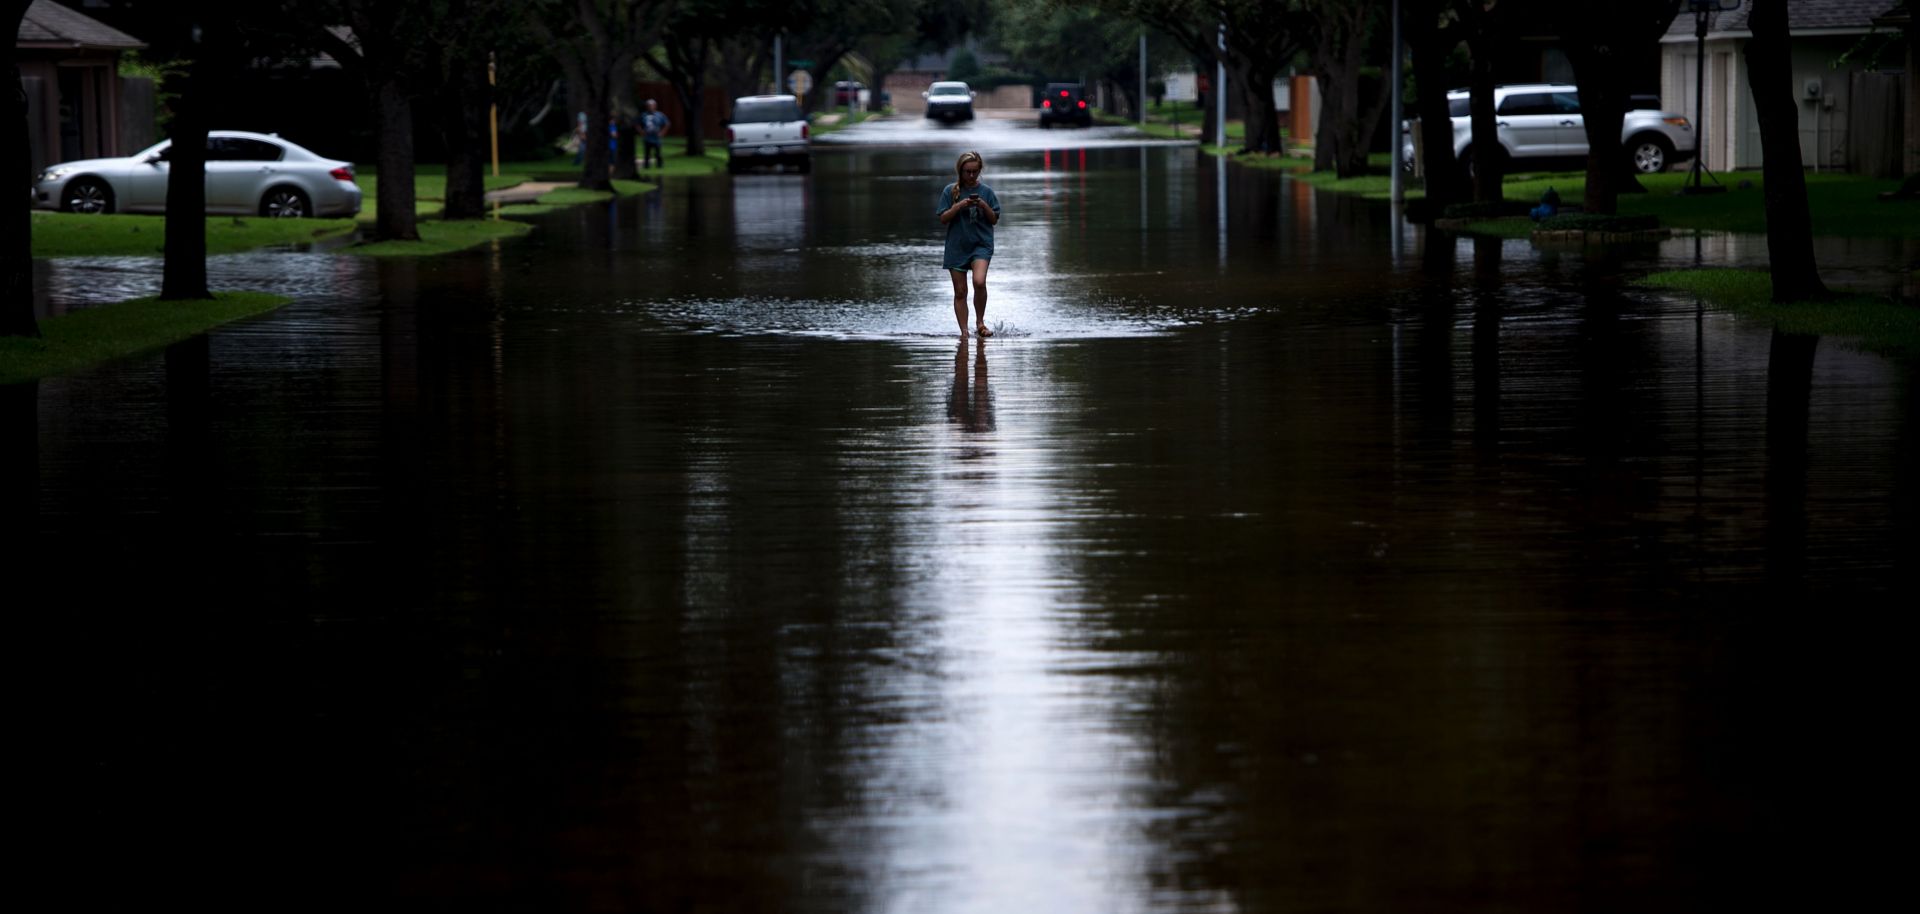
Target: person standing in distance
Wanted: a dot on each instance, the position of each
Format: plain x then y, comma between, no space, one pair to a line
653,123
969,210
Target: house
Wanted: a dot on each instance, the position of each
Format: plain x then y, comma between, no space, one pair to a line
1850,115
78,104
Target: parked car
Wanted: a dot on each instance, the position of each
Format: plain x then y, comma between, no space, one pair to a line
949,101
768,130
1065,103
247,174
847,92
1541,125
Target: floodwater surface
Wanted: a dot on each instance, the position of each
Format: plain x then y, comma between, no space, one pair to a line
1274,556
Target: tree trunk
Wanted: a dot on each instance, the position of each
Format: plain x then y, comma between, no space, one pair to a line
184,272
394,110
695,107
463,128
1430,46
1604,112
621,105
1263,119
1489,160
1789,223
16,315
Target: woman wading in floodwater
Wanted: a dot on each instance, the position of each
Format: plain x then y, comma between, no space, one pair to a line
969,210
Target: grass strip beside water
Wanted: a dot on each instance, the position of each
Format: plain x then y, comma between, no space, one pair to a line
1878,324
70,342
442,237
125,235
1841,205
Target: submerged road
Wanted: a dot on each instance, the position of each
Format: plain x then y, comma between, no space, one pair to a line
1276,556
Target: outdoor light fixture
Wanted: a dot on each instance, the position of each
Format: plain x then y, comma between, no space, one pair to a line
1702,10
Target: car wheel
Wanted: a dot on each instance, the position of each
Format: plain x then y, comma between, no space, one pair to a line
1650,154
87,195
285,203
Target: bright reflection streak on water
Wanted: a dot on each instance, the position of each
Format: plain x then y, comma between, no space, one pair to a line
672,559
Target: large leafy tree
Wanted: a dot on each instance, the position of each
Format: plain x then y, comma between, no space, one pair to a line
1076,39
1796,277
383,49
1432,30
1341,30
1263,37
597,43
1607,45
836,28
466,35
1488,27
701,37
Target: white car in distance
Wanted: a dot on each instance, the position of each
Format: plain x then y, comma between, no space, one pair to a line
768,130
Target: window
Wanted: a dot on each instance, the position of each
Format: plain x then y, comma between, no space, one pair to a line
1459,107
765,112
238,149
1528,103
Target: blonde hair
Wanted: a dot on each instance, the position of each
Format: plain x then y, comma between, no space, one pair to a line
958,177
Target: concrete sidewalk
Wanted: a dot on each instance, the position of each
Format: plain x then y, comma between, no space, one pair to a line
524,192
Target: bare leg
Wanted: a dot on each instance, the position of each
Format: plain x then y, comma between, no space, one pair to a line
979,299
960,299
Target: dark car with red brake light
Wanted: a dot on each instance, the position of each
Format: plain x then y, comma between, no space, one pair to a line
1065,103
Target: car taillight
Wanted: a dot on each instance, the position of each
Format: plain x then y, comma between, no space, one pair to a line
342,174
1083,103
1063,93
804,131
1680,122
729,135
1046,103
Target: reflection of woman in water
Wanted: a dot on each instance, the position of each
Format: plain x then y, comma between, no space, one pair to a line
969,210
971,404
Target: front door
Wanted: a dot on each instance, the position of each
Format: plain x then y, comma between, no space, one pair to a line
1530,124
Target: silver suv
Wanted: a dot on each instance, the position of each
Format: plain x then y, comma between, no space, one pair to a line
768,130
1541,125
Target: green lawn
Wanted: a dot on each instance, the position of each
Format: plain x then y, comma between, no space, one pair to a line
1878,324
439,236
679,164
125,235
74,341
1842,205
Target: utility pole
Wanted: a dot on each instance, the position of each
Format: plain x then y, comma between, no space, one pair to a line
1220,93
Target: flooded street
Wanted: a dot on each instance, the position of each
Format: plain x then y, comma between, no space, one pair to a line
678,557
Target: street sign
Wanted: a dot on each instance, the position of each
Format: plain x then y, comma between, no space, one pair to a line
802,81
801,63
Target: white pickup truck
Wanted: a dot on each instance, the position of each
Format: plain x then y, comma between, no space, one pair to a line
768,130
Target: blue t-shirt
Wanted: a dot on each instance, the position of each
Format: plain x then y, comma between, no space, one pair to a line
652,123
969,235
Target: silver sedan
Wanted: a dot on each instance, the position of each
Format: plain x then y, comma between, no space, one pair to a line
247,174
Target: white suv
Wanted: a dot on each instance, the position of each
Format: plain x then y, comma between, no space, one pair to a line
768,130
1541,124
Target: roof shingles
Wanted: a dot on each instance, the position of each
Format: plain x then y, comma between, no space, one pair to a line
1802,15
48,24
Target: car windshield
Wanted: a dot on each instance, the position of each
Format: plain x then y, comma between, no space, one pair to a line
949,90
1459,107
760,112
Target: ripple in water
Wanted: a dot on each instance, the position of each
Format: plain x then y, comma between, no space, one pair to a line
1012,316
